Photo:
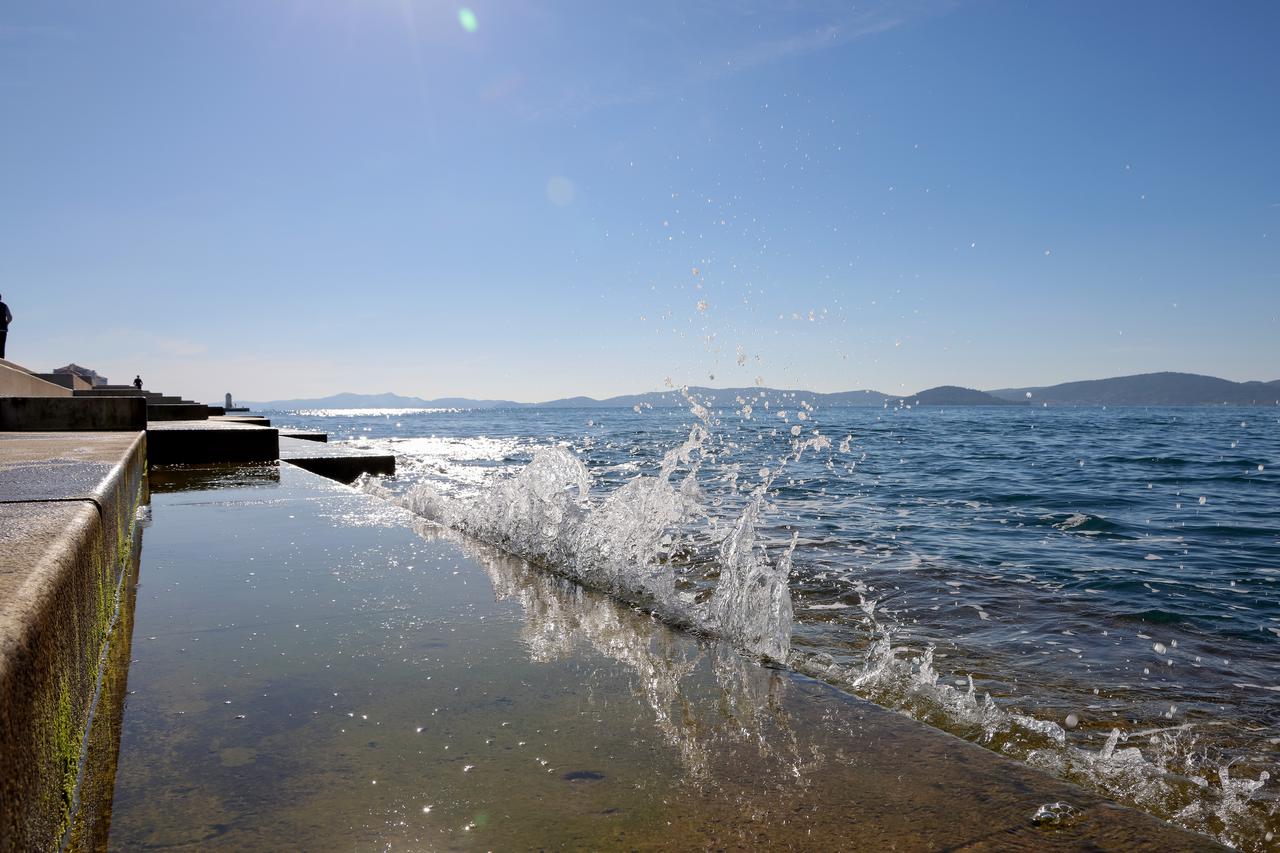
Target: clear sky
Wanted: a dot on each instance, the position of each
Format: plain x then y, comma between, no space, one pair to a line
532,200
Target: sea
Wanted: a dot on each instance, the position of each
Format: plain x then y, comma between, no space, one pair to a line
1094,591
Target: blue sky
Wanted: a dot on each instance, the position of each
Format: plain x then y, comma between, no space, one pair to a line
286,199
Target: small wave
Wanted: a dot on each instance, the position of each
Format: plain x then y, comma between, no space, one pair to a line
1084,523
628,543
1156,617
1158,461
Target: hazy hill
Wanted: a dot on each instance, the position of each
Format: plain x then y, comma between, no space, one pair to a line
954,395
1148,389
1152,389
347,400
652,399
723,397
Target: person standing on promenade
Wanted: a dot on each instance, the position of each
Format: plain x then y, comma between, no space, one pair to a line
137,382
6,317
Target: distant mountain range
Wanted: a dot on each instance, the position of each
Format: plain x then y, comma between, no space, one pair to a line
1147,389
1152,389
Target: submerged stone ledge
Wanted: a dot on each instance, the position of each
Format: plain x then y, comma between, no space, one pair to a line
336,674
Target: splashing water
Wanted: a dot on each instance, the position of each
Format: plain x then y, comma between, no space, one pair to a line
631,542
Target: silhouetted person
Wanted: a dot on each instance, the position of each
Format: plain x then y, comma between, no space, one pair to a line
137,382
6,317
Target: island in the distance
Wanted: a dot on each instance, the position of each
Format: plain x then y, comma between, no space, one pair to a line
1147,389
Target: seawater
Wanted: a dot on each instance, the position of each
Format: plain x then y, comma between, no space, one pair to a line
1095,591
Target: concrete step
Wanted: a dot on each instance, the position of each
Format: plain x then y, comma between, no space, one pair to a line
204,441
236,419
177,412
149,396
335,461
305,435
154,396
105,391
62,414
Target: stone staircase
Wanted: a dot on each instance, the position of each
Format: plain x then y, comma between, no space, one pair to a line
65,402
178,431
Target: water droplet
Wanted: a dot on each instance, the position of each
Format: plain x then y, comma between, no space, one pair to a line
1054,814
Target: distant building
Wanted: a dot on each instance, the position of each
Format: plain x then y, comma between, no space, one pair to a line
90,376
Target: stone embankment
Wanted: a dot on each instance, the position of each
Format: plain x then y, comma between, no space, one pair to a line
73,475
67,530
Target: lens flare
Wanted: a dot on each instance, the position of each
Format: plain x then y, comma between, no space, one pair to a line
467,19
560,190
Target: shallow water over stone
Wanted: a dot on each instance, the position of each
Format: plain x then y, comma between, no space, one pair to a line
314,670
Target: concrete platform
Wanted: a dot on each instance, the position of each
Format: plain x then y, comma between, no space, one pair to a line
67,530
208,441
335,461
316,670
55,414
